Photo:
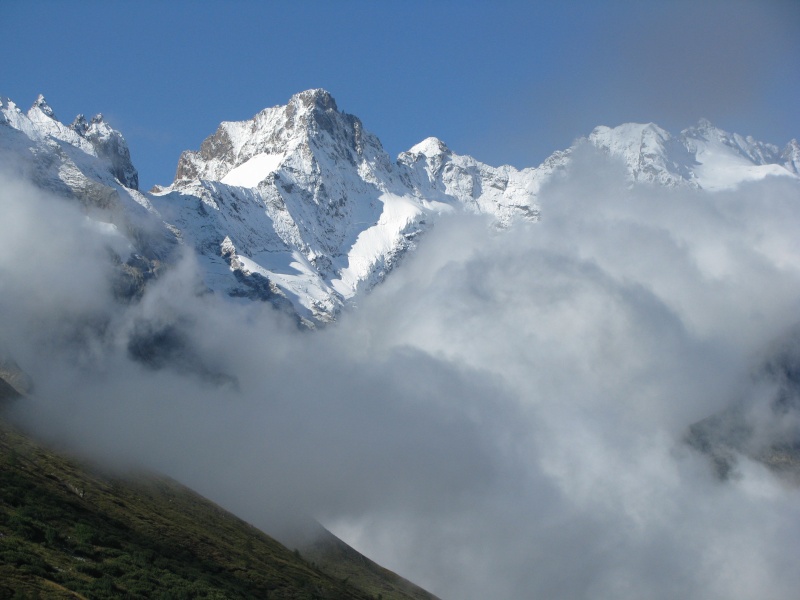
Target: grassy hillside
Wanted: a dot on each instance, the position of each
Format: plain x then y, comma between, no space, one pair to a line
67,531
336,558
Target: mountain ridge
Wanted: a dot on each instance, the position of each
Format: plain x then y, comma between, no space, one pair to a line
301,206
678,281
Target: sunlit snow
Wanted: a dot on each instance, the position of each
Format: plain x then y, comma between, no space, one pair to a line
376,242
720,169
254,171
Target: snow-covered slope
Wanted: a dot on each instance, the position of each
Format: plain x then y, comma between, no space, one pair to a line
303,196
725,160
432,171
301,206
702,156
650,153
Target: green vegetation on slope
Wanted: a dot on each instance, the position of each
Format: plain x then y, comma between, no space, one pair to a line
336,558
69,532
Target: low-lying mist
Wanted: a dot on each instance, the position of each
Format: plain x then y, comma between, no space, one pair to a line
503,417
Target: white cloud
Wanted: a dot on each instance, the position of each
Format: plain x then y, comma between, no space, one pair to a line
501,418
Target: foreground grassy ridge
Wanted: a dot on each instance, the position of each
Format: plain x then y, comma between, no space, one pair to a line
69,532
336,558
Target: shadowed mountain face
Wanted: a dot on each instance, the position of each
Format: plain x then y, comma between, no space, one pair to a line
764,427
7,392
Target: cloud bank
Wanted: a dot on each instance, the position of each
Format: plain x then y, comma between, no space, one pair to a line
502,418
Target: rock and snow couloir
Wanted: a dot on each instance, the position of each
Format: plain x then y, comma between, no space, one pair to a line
302,207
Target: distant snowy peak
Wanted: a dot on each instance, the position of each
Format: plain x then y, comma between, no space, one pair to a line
109,145
701,156
309,139
89,164
791,157
40,123
434,172
296,133
306,196
704,133
95,138
430,147
727,159
649,152
300,205
313,204
41,105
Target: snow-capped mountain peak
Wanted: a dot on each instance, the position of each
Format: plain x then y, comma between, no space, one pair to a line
80,125
650,153
311,201
309,120
43,123
791,157
109,145
702,156
430,147
315,98
95,139
724,160
41,104
751,149
301,206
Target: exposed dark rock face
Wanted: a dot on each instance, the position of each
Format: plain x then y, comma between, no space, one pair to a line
14,377
169,346
111,147
766,430
14,382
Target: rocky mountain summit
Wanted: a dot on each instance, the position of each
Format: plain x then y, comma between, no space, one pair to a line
94,138
303,197
88,162
301,206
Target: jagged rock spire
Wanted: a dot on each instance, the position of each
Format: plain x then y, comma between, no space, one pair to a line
43,106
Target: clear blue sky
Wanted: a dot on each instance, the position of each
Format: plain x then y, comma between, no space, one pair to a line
505,81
